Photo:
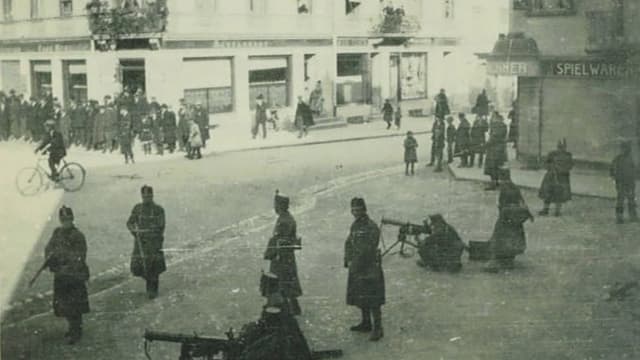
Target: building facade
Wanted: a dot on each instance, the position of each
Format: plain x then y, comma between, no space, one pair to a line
224,53
578,68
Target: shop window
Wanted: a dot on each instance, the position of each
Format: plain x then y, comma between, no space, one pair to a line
304,6
448,9
269,77
66,7
353,79
551,7
35,9
520,4
413,76
210,83
74,79
40,78
351,6
7,9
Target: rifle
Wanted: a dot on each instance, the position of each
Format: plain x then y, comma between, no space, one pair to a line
194,346
40,270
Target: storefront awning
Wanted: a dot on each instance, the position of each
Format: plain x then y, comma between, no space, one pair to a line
513,54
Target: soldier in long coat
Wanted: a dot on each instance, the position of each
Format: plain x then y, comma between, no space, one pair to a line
556,184
482,104
508,238
477,140
623,172
437,144
99,126
66,254
202,119
410,153
280,251
78,123
365,283
184,116
125,135
146,223
496,149
110,127
463,140
442,105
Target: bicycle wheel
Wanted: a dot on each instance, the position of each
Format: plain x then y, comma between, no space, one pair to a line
72,176
29,181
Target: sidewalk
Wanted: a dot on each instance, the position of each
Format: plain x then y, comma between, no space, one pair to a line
584,182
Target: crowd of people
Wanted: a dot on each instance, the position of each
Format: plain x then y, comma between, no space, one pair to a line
115,123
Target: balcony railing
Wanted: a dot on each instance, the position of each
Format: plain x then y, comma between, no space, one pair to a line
605,31
126,20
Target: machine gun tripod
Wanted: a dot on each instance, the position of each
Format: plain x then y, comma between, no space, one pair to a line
406,229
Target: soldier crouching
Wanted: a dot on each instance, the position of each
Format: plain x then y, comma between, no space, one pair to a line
66,254
442,249
365,284
146,224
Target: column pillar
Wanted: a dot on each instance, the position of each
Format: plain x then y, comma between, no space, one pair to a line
57,81
241,99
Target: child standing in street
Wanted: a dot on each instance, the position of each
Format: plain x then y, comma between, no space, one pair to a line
410,154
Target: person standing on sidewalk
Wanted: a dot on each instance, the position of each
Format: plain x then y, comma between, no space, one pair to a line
623,172
146,223
410,153
303,117
477,140
168,119
66,254
463,140
481,108
442,105
184,116
437,144
365,283
281,253
496,149
202,119
125,135
451,138
260,119
556,184
195,141
387,113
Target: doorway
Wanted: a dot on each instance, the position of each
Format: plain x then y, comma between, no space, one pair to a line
133,75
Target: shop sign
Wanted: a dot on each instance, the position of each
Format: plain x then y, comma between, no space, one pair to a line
353,42
46,47
232,44
592,69
513,68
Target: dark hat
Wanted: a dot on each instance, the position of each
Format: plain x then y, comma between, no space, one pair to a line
436,218
357,202
409,133
164,106
260,97
65,213
504,174
461,115
281,199
146,189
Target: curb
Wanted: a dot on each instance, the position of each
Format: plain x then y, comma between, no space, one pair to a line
528,187
317,142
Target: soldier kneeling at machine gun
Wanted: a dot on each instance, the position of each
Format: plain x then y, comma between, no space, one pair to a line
275,336
442,248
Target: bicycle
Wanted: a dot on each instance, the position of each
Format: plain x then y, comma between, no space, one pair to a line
29,180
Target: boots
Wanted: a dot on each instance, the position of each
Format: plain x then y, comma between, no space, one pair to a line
365,323
152,288
75,329
377,332
619,217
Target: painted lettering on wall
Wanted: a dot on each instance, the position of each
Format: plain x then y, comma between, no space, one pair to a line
515,68
591,69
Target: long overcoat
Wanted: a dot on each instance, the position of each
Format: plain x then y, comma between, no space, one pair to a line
496,148
441,251
365,283
410,153
282,256
169,127
556,184
508,238
146,223
462,137
67,252
477,137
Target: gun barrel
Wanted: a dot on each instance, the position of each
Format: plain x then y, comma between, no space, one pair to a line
387,221
177,338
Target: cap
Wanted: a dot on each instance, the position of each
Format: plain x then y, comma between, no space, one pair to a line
436,218
281,199
358,203
409,132
461,115
260,97
146,189
65,213
504,174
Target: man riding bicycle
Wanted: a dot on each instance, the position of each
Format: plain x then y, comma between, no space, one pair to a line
54,144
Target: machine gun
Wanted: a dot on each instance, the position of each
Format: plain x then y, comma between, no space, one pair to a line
194,346
405,229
